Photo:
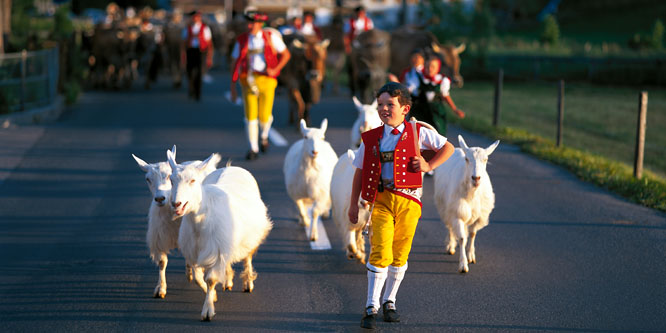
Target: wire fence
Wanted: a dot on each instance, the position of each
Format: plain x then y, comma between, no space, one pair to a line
28,80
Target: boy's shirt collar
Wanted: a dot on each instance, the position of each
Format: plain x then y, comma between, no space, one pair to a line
388,129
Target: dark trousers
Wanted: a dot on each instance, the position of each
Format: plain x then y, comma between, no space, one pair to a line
194,71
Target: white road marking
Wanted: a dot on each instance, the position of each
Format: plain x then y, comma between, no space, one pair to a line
322,242
277,138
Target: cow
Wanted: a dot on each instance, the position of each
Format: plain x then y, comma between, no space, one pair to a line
304,74
370,60
406,39
336,57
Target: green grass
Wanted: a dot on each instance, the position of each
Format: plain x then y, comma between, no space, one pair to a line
599,131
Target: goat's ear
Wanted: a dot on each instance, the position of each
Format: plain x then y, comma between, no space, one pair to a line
304,127
171,158
173,150
142,164
213,158
492,147
374,104
435,47
324,125
462,142
358,104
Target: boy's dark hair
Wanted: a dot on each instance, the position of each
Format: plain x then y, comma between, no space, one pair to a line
395,89
358,9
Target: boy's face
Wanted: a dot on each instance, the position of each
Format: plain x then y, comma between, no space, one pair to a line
432,67
390,111
417,60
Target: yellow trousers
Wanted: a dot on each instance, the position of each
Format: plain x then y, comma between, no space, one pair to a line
394,221
261,104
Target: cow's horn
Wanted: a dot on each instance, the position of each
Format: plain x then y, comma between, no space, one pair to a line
461,48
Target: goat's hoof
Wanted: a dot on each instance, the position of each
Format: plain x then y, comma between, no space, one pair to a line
228,287
159,293
313,239
463,270
206,318
247,290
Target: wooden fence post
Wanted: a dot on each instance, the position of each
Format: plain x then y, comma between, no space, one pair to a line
560,112
640,134
24,58
498,96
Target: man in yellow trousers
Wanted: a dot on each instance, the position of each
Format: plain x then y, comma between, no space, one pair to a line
258,57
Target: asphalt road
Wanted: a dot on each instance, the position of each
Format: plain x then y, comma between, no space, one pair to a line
558,255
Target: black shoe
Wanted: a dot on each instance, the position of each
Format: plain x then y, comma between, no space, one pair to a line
263,147
390,313
251,155
369,320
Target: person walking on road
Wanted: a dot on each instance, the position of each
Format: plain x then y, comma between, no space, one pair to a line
432,89
389,177
197,45
258,57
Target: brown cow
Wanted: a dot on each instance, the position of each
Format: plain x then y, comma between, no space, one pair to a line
304,74
404,40
370,60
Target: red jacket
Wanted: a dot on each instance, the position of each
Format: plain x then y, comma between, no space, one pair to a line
203,43
403,176
271,56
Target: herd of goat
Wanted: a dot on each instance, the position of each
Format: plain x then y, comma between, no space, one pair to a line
216,217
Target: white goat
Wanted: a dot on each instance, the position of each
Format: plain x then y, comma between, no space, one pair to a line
368,118
308,168
464,198
341,187
162,234
224,221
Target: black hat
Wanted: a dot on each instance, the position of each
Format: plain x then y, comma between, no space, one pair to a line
194,12
255,16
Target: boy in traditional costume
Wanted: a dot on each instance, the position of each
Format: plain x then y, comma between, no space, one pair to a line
389,177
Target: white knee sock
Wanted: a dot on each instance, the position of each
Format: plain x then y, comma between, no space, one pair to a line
376,278
252,131
266,128
395,276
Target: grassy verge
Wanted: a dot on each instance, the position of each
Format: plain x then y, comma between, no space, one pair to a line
526,120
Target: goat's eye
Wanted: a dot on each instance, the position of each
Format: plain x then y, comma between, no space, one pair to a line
192,181
168,177
148,180
466,159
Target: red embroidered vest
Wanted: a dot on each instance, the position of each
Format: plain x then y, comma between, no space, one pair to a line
203,43
352,28
270,55
403,176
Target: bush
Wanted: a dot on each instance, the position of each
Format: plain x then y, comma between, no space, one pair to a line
71,90
551,31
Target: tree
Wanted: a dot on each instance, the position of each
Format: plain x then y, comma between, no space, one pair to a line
5,22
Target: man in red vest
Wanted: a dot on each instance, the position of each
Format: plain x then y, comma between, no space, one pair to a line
197,44
258,57
389,176
355,26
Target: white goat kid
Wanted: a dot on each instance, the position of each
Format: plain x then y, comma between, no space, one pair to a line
224,221
464,198
341,187
308,168
368,118
162,233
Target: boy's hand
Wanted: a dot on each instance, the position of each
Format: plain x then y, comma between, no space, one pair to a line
353,214
459,113
419,164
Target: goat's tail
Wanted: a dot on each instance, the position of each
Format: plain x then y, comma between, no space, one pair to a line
228,163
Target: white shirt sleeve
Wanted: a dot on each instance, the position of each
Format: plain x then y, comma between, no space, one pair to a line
412,82
207,34
278,43
430,139
445,86
358,159
236,52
